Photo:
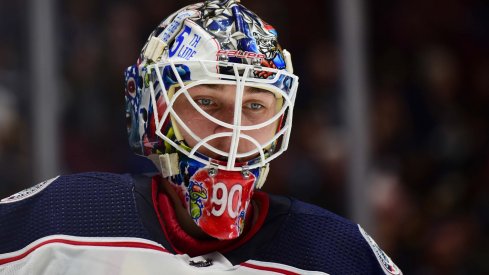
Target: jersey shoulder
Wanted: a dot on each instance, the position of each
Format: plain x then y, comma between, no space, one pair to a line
87,204
317,239
66,184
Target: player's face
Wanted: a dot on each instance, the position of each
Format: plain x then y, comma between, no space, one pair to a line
218,101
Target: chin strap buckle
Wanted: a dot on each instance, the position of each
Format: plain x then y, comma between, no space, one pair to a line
263,176
166,163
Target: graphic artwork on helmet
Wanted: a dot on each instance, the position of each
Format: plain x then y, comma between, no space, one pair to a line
196,193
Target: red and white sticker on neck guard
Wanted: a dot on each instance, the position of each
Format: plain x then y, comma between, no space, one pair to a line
29,192
385,261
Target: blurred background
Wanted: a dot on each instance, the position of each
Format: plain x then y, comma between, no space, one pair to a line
426,116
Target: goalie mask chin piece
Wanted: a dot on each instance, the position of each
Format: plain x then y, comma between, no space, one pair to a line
217,200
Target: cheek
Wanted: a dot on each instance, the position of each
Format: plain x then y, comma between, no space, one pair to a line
199,125
264,134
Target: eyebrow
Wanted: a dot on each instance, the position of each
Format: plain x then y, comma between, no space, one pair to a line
252,90
213,86
258,90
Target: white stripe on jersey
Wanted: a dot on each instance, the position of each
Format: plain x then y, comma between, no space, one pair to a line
62,254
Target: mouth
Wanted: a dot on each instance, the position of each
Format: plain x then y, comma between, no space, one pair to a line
239,162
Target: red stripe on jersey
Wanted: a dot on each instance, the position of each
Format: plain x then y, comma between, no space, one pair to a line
267,268
127,244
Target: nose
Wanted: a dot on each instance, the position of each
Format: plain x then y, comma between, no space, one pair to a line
226,115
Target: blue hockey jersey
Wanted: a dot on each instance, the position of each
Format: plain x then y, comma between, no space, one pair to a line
100,223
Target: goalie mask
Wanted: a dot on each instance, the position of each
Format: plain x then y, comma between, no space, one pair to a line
210,102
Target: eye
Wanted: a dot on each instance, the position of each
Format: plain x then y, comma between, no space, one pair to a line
204,101
254,106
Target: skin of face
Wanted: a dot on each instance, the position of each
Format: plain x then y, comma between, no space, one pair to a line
218,100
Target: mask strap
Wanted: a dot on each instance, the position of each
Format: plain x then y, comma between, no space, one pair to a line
167,164
263,176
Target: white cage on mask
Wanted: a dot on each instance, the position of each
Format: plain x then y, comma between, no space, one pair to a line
280,82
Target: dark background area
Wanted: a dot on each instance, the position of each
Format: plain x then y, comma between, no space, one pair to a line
428,74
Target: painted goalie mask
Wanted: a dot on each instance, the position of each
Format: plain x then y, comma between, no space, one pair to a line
210,102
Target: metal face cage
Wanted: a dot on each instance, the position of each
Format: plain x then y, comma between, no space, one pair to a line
165,76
